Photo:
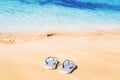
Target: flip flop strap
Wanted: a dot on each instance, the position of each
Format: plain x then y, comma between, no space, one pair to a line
53,60
68,64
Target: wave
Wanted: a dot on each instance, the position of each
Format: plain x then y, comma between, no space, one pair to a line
57,15
78,4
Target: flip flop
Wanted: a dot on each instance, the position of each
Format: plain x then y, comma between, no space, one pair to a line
51,62
68,66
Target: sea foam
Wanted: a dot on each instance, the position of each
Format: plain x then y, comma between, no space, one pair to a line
58,15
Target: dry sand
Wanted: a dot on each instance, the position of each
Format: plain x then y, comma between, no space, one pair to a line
97,55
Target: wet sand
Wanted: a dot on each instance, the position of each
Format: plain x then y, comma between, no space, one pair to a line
96,53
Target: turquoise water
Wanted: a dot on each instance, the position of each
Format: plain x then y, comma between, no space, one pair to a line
58,15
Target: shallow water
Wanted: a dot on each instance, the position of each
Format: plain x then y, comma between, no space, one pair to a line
58,15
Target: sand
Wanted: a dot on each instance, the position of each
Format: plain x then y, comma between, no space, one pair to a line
97,55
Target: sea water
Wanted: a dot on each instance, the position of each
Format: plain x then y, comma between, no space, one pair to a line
58,15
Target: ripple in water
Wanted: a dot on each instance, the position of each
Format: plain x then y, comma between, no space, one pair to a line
58,15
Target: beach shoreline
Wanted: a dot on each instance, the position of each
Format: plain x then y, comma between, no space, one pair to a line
14,37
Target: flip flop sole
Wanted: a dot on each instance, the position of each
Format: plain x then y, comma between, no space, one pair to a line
48,67
51,63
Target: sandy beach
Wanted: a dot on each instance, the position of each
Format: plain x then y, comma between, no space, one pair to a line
96,53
